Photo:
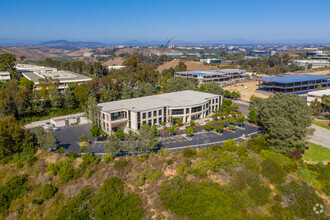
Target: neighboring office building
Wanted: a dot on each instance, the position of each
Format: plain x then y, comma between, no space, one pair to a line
35,73
205,76
317,95
4,76
259,54
130,114
314,63
293,83
69,120
210,61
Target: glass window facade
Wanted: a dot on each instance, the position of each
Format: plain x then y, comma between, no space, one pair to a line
159,112
177,111
155,113
149,114
117,115
187,110
144,115
196,109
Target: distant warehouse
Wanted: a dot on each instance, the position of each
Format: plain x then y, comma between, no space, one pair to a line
206,76
312,63
35,73
293,83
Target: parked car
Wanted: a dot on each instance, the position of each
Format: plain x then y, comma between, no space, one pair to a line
56,129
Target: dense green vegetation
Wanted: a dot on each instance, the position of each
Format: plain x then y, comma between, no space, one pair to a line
287,120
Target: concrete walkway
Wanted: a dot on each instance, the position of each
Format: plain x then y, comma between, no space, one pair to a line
321,136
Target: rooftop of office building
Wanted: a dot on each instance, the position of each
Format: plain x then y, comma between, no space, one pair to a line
213,72
293,78
174,99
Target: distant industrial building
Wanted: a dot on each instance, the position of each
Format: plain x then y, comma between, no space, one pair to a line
4,76
208,61
130,114
35,73
293,83
115,67
318,55
311,96
206,76
259,54
314,63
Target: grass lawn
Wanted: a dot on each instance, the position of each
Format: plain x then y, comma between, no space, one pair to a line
316,153
321,125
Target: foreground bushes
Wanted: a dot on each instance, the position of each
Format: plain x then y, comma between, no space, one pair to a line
111,202
12,190
63,169
205,200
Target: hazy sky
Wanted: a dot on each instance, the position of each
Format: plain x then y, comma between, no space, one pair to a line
189,20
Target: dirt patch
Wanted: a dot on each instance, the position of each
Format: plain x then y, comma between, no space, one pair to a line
191,65
325,122
117,61
312,72
247,90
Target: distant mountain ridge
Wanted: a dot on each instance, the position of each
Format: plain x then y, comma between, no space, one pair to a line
65,43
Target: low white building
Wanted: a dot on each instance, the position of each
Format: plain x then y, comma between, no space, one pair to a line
210,61
314,63
69,120
4,76
35,73
317,95
130,114
115,67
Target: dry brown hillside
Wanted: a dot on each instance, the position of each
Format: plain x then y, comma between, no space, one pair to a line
146,51
31,53
191,65
117,61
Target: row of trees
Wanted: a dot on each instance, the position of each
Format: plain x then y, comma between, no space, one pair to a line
277,64
145,142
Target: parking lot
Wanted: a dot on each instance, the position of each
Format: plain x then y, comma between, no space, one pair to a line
68,137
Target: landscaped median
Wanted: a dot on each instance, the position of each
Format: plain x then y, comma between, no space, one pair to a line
321,125
316,153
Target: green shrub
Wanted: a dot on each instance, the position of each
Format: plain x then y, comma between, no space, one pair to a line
12,190
90,158
60,150
37,201
183,170
120,164
72,155
279,212
301,199
144,157
19,165
31,160
108,158
83,148
140,179
47,191
209,127
258,144
242,151
278,198
78,207
189,152
231,127
163,152
169,162
88,173
272,171
251,163
260,194
230,145
201,200
63,169
244,178
112,202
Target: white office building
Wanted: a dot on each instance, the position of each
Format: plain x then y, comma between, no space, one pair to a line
130,114
311,96
115,67
35,73
208,61
4,76
206,76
